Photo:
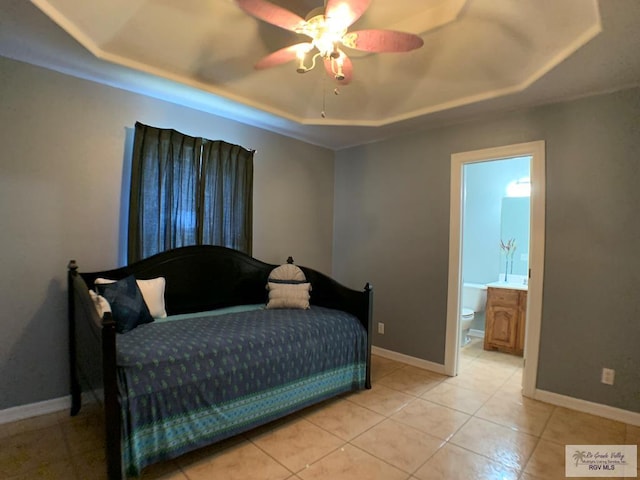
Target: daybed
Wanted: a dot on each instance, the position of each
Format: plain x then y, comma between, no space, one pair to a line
191,379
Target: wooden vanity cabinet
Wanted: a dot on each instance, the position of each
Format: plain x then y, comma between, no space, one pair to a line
505,320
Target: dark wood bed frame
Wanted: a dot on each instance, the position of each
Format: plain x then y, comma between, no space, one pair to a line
198,278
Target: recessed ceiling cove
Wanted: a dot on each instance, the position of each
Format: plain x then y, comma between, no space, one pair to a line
472,50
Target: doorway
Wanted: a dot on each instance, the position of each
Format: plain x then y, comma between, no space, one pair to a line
534,150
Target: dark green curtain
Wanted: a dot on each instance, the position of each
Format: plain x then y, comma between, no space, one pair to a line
188,191
227,191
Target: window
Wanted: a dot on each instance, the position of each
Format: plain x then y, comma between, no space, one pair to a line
188,191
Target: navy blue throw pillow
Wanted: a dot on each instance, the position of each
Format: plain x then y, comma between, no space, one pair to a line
127,305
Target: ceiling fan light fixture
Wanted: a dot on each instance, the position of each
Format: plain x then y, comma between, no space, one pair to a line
349,40
301,54
326,27
336,66
325,36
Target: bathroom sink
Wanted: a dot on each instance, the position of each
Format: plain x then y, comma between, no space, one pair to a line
507,284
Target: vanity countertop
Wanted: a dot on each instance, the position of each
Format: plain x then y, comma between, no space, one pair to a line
511,285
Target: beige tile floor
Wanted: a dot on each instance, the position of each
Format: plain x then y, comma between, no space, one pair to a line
413,425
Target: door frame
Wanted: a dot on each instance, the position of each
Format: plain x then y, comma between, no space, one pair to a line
536,253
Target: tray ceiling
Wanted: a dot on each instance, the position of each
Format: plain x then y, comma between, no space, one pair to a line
202,52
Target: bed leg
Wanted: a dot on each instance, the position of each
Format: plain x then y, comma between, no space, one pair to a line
368,290
76,391
111,404
76,397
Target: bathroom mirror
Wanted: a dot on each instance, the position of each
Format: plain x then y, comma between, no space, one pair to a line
514,223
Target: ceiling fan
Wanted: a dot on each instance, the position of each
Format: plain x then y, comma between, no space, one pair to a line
327,28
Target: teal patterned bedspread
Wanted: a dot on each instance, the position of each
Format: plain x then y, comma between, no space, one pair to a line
188,383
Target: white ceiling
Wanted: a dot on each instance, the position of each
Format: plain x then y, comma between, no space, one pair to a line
478,56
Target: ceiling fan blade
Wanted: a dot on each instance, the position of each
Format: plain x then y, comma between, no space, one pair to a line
345,12
382,41
283,55
271,13
347,69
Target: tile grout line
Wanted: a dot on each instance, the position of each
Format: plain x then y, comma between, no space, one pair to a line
546,423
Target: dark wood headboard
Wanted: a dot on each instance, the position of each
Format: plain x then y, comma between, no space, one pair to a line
199,278
206,277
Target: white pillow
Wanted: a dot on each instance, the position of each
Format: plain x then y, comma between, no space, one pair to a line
152,291
101,304
288,295
288,273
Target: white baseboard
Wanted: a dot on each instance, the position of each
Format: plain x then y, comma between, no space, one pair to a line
584,406
401,357
21,412
476,333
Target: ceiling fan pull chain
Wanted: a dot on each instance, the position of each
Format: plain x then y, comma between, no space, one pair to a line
324,97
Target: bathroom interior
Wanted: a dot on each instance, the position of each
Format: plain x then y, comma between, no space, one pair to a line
495,238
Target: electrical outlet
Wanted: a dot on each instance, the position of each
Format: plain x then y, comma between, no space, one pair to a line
381,328
608,376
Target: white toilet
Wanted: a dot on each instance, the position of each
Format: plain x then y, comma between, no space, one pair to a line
474,299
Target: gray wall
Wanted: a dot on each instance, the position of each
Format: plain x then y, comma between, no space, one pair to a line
392,226
62,166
